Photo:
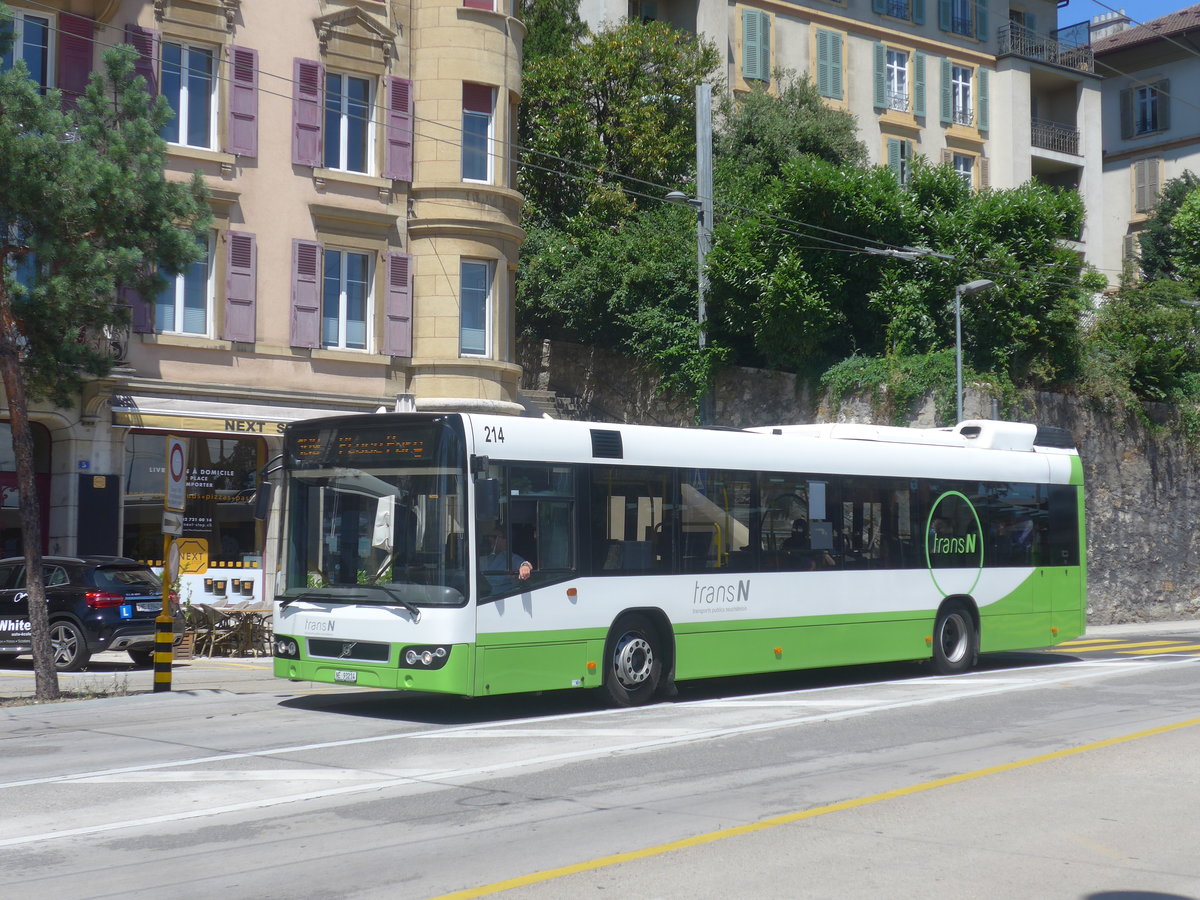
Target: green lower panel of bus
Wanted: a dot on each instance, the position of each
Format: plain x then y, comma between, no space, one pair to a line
454,677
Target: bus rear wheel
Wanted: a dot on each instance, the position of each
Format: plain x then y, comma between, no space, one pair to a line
955,643
634,662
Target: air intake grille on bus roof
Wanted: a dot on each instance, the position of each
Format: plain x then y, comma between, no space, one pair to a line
607,444
1052,436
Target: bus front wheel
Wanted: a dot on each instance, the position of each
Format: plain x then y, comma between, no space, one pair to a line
955,643
635,660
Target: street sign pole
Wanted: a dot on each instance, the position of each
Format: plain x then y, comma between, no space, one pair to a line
174,500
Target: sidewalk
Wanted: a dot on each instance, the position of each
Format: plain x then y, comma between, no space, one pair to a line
112,674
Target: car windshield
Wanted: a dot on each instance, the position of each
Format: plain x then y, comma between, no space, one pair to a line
126,578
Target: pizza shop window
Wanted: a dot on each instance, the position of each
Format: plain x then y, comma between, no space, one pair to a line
221,484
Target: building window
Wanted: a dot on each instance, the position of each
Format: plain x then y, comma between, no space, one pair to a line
1145,109
1146,119
756,45
964,167
31,43
962,17
475,290
347,123
900,154
897,80
344,300
478,121
187,82
184,305
960,90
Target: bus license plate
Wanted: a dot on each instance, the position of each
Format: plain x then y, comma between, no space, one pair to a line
347,677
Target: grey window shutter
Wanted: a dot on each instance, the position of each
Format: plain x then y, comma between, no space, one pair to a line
145,42
1140,186
306,294
241,287
1162,96
1127,113
981,20
985,172
398,311
397,162
308,94
947,94
947,156
243,102
835,65
880,93
984,101
919,84
76,35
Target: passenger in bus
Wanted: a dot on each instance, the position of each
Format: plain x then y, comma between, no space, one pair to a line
798,546
498,564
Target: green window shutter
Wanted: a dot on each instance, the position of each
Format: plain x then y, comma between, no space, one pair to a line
984,104
880,99
918,12
764,47
981,20
947,94
1162,92
824,75
750,41
919,84
835,65
1127,113
893,155
879,6
1031,22
944,22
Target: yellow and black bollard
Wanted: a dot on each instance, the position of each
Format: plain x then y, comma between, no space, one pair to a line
164,648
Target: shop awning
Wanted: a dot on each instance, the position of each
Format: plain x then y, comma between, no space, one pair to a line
177,414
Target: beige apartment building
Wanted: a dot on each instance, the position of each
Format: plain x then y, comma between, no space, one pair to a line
362,255
992,88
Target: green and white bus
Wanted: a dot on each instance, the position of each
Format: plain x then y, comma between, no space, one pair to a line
640,556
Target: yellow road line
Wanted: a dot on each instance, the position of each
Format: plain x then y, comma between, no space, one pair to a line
787,819
1182,648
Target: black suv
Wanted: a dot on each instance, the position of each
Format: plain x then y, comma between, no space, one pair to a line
98,603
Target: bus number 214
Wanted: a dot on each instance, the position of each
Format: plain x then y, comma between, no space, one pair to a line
493,435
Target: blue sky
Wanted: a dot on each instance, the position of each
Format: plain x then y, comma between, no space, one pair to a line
1139,10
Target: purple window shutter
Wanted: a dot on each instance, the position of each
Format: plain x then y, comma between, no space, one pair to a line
243,102
397,327
398,164
141,312
76,35
307,100
240,288
306,294
145,42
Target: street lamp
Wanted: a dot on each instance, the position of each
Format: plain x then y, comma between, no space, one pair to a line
963,290
703,204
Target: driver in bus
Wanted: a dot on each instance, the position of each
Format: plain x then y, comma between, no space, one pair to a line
499,564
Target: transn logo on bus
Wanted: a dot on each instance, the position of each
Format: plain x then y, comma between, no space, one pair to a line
721,596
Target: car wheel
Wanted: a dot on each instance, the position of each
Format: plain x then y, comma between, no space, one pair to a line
70,647
142,659
955,644
635,661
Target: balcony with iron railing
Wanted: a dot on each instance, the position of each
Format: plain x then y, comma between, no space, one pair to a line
1048,135
963,116
897,100
1017,40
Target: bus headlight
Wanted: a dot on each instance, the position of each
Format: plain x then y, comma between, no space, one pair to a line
424,657
287,648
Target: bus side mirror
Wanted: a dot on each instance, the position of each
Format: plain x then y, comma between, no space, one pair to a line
262,500
487,499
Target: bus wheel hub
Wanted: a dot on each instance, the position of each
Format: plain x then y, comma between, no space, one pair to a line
633,659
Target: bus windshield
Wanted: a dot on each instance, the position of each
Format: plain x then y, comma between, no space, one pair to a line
375,516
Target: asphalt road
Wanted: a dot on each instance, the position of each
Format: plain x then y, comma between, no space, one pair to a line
1069,774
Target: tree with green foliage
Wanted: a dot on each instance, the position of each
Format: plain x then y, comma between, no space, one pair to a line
86,210
615,114
1186,243
552,28
761,130
1160,244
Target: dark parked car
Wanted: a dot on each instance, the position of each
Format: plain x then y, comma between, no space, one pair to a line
99,603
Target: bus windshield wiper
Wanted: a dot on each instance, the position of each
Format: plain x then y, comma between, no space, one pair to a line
356,594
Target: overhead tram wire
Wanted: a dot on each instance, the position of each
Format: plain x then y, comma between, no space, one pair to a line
590,172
